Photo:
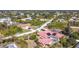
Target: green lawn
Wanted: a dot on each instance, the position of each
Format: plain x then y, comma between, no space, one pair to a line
57,25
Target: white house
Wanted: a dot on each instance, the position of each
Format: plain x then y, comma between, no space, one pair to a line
73,19
61,20
43,19
6,20
24,19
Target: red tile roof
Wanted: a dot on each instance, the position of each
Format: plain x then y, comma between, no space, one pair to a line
45,41
44,37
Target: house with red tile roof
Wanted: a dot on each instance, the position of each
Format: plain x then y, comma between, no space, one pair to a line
49,37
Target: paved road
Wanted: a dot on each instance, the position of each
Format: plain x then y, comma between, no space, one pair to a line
77,40
74,27
26,33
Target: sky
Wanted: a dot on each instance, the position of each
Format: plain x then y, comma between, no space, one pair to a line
39,4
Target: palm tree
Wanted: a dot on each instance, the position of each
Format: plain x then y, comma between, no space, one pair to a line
67,30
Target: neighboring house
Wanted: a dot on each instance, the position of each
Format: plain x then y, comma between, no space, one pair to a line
24,26
61,20
13,45
6,20
74,18
71,19
49,37
74,21
24,19
43,19
31,43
